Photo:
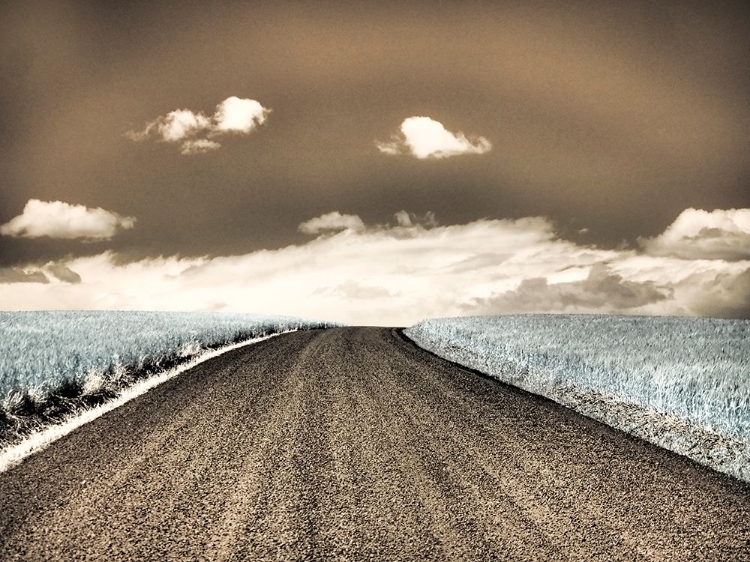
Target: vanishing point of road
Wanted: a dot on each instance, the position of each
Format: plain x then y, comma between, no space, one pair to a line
354,444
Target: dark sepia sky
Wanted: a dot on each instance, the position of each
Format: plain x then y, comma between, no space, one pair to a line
601,131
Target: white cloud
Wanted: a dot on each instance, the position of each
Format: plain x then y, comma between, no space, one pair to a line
174,126
239,115
697,234
56,219
193,129
181,123
199,146
426,138
398,274
332,222
403,219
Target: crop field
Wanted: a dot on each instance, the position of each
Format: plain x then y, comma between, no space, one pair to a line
53,364
682,383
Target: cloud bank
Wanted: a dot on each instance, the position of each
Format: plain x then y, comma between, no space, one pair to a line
601,290
424,138
698,234
56,219
55,271
195,131
13,275
402,272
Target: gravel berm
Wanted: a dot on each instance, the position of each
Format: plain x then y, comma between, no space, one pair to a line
354,444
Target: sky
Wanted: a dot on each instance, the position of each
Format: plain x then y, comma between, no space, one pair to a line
376,162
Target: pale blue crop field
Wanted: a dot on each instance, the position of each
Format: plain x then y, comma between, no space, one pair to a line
684,382
695,368
41,350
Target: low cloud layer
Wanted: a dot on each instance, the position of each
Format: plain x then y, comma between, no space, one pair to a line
55,271
62,273
55,219
196,132
601,291
13,275
697,234
726,295
399,273
424,138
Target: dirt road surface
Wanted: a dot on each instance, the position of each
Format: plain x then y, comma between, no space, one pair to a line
354,444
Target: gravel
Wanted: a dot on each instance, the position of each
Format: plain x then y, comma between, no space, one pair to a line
354,444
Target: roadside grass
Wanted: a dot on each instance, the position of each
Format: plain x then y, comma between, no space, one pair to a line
681,383
54,365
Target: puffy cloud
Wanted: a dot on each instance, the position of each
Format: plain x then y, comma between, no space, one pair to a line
177,125
56,219
193,129
407,220
403,219
174,126
239,115
727,295
398,274
697,234
332,222
426,138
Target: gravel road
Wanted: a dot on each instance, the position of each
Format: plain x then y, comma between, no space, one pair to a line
354,444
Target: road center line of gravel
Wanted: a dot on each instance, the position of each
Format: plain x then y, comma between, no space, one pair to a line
40,440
